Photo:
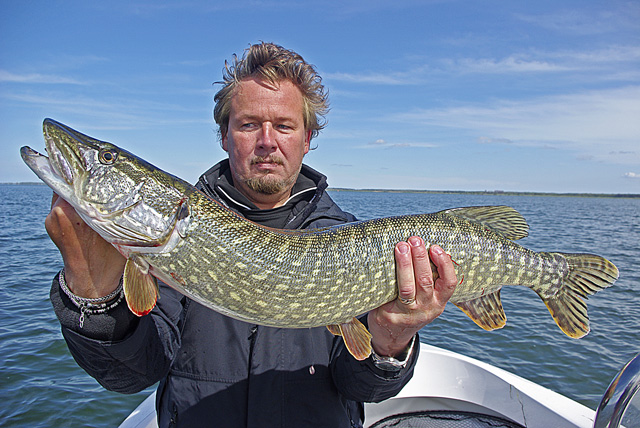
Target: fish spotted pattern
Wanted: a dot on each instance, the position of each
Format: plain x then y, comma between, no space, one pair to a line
169,230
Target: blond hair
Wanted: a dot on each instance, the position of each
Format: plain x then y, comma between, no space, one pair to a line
274,63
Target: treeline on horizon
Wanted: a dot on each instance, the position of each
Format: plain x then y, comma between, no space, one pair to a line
455,192
490,192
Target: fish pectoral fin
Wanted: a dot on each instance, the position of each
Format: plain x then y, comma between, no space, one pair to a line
486,311
356,338
140,287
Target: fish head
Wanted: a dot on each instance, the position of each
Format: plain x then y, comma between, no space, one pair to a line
128,201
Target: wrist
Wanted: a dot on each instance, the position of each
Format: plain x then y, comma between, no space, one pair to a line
397,362
91,306
86,286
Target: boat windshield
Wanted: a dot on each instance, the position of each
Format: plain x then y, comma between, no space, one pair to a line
620,404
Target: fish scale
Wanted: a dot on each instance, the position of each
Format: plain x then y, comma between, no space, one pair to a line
298,278
362,271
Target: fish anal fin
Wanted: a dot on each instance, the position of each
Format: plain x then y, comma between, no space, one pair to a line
140,287
356,338
486,311
501,219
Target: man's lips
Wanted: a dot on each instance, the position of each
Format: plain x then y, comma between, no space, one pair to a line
266,163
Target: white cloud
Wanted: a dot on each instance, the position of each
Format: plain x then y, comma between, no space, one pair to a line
383,144
6,76
375,78
488,140
612,58
602,123
586,21
113,112
613,62
632,175
607,55
511,64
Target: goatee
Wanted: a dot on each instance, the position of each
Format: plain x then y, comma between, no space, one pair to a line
269,185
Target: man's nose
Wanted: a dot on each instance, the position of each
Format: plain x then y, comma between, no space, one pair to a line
267,136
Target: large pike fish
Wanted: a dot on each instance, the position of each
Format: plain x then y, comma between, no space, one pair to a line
169,230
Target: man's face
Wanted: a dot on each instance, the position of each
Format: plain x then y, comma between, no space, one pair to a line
266,140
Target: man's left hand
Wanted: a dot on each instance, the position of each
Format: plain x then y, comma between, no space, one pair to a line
421,299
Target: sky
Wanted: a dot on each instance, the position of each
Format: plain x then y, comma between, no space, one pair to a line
532,96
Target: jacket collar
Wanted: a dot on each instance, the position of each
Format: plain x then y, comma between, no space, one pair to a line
306,193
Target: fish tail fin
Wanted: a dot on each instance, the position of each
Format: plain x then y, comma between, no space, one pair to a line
140,287
587,275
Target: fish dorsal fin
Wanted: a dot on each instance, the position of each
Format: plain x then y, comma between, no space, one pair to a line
502,219
356,338
486,311
140,287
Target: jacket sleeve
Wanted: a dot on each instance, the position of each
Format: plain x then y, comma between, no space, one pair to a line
362,381
122,352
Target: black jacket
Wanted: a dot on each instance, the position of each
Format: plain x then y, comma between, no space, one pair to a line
219,372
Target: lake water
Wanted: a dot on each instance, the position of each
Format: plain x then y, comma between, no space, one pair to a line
41,386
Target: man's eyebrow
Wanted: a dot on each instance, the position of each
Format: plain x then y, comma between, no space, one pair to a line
252,117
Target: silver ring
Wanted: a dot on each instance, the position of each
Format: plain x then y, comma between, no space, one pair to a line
407,301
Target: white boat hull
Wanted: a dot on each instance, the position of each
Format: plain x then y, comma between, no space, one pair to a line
445,380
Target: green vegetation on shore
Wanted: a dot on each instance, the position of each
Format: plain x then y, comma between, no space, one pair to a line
492,192
455,192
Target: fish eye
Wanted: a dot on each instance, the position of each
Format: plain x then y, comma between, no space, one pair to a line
107,156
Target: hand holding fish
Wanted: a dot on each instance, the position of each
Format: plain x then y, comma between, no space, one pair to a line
421,297
92,266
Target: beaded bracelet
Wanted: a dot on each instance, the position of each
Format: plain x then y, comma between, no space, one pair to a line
92,306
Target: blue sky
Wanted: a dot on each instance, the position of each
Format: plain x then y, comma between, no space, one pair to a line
443,95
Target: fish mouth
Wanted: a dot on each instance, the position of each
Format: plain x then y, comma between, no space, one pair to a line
61,169
57,159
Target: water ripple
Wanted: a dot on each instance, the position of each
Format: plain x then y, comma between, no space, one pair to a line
43,387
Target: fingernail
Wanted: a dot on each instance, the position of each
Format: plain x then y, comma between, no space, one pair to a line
437,250
415,241
403,248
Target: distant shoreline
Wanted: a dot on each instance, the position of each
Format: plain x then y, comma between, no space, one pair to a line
443,192
25,183
491,192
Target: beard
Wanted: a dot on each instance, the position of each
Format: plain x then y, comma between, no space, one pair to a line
269,184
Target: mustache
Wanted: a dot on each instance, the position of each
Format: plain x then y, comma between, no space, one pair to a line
267,159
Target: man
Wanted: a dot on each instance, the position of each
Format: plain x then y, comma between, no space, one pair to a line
217,371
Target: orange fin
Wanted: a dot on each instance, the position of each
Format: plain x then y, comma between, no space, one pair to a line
587,275
335,329
486,311
140,287
356,338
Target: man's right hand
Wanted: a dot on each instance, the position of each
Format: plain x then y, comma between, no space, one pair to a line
92,266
